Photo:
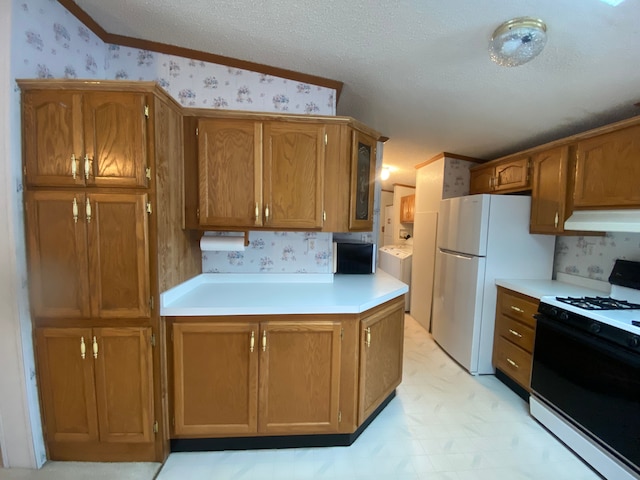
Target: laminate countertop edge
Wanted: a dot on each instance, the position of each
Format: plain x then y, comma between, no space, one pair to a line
275,294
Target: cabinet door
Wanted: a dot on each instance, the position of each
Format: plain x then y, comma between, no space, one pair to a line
363,170
124,384
548,198
118,255
215,369
381,348
115,138
407,206
57,244
53,142
481,180
512,175
66,384
230,172
607,170
293,174
299,377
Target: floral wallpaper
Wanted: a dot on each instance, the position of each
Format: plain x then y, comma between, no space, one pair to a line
457,178
49,42
274,252
593,257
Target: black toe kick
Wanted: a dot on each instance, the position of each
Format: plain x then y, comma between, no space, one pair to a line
286,441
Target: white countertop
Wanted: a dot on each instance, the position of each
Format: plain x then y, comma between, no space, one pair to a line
268,294
565,286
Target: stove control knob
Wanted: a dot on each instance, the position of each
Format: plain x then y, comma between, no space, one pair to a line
553,312
564,316
594,328
634,341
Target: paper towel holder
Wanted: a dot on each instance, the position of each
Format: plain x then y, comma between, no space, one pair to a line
246,237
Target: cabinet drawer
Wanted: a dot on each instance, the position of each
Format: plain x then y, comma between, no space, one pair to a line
519,307
516,332
513,361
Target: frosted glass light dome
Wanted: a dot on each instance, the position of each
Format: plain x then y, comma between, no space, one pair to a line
518,41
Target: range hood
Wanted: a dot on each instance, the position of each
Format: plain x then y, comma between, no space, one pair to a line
604,221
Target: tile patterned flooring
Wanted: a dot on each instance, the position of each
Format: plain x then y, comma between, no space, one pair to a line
443,425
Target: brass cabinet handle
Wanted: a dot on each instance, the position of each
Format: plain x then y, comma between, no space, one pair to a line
515,334
83,348
519,310
368,338
252,342
257,212
74,210
95,348
266,213
88,210
87,167
264,341
555,222
512,363
74,166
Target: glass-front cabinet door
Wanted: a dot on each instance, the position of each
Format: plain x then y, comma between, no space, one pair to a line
363,168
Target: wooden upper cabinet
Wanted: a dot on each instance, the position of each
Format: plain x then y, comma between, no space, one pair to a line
124,384
115,139
363,170
549,192
67,376
215,378
293,174
512,175
88,254
299,377
230,172
407,208
53,142
608,169
84,138
501,176
381,347
481,180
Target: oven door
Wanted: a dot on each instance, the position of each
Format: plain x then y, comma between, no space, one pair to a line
593,382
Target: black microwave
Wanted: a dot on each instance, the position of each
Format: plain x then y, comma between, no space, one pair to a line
354,257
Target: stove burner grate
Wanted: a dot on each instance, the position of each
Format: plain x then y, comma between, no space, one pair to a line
599,303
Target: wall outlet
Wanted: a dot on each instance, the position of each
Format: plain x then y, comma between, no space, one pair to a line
312,243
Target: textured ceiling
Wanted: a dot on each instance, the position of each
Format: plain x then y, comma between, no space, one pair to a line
419,71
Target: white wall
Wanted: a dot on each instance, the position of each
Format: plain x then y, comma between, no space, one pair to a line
15,426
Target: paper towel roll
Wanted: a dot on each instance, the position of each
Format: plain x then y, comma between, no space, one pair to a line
221,244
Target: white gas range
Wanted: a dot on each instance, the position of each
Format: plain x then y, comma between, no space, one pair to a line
586,373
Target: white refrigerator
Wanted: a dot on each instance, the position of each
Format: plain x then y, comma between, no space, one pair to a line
481,238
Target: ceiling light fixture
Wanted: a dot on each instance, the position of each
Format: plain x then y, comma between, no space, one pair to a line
518,41
384,173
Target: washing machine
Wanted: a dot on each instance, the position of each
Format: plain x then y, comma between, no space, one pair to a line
396,261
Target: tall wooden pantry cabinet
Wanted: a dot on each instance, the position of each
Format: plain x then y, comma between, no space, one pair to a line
103,176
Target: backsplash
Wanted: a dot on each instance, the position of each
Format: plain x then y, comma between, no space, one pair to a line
275,252
593,257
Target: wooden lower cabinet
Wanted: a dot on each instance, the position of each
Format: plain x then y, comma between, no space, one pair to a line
381,348
515,335
254,376
220,389
215,378
95,388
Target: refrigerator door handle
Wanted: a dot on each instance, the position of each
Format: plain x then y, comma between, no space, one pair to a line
457,254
